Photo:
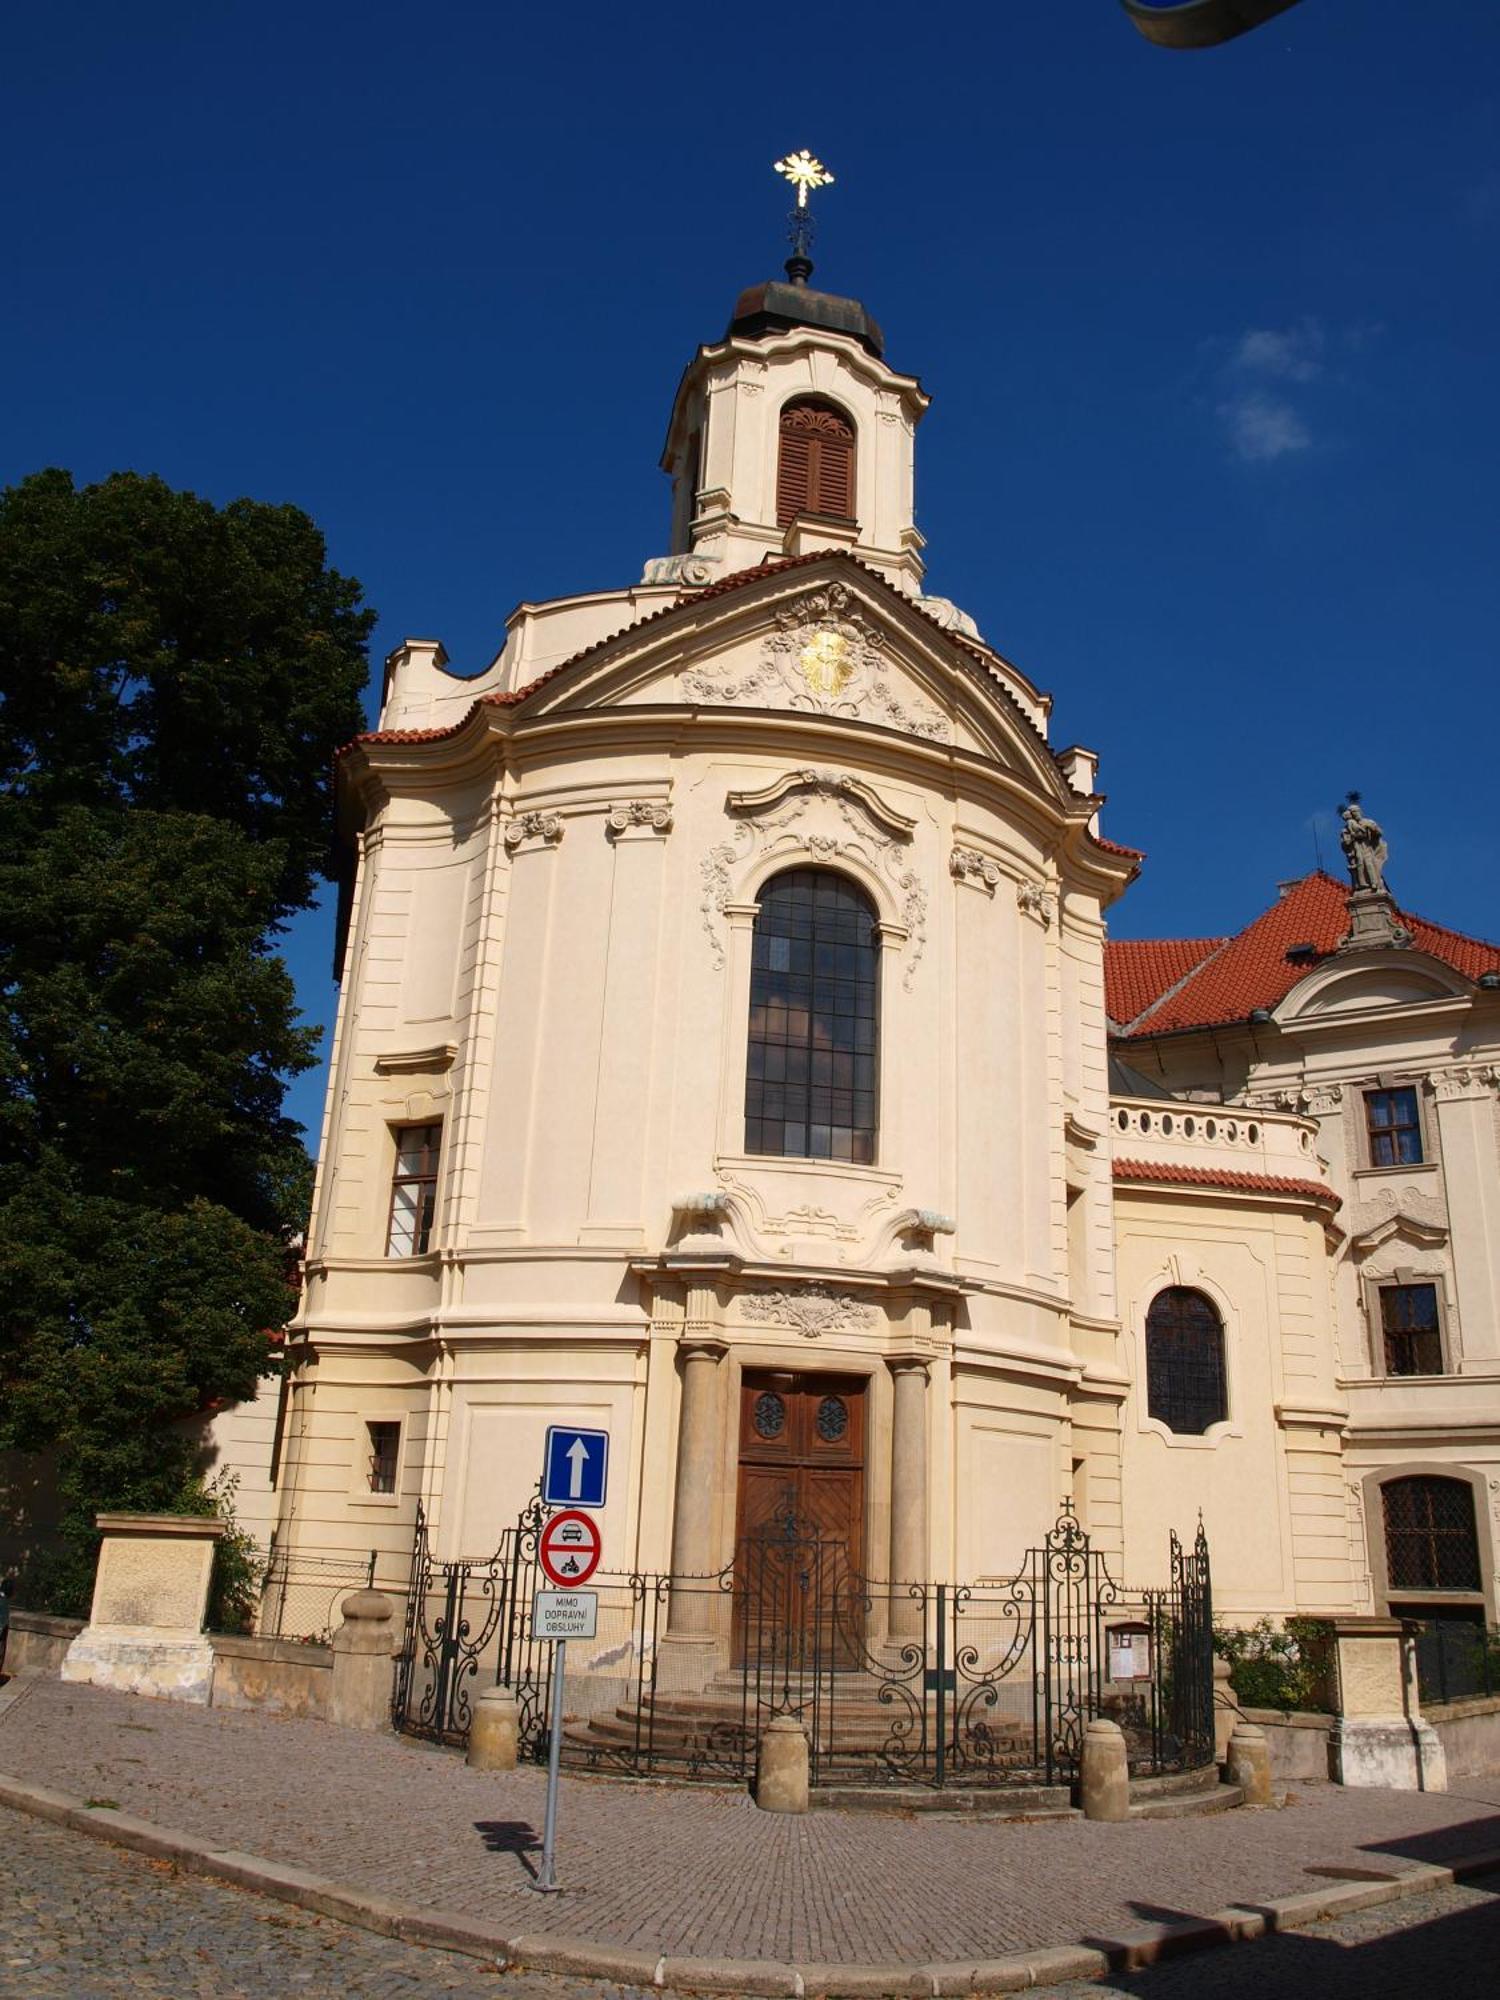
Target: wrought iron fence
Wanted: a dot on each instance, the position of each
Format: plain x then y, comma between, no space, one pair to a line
973,1685
1457,1658
301,1594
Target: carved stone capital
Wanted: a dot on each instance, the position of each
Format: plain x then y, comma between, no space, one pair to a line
653,815
1468,1080
968,865
1032,900
543,826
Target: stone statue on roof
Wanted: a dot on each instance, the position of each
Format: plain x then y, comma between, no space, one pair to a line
1364,846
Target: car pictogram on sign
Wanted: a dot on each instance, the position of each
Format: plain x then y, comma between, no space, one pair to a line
569,1548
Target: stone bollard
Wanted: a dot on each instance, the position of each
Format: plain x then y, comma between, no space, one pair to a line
495,1732
1225,1716
1249,1763
781,1767
1104,1772
360,1697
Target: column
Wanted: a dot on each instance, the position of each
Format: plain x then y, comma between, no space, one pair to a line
909,1558
694,1608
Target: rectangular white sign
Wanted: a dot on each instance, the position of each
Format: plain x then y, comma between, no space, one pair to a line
565,1614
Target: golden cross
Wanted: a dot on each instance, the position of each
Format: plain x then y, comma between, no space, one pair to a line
804,173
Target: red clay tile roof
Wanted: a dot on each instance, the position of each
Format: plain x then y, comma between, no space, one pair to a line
1252,969
1138,971
1159,1172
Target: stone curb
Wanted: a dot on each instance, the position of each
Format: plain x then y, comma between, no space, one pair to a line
1126,1949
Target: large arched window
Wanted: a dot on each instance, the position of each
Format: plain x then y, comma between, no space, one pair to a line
1185,1361
815,463
810,1084
1430,1538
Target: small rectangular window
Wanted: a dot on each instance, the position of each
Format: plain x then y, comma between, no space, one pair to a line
385,1446
1394,1127
413,1190
1411,1330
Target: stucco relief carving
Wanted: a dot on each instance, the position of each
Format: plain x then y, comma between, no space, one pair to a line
823,657
1322,1099
652,813
1464,1081
967,864
691,572
1375,1222
943,611
873,833
543,826
812,1310
1032,900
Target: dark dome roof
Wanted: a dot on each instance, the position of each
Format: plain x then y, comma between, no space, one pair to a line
776,305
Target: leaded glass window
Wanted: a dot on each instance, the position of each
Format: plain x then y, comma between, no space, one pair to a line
1430,1538
810,1085
1410,1329
1185,1387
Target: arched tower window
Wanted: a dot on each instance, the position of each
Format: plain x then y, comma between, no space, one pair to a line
810,1084
815,463
1430,1538
1185,1361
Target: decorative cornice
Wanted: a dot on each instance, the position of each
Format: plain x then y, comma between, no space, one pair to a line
543,826
831,784
416,1062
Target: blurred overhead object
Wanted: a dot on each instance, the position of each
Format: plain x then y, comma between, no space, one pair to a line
1200,24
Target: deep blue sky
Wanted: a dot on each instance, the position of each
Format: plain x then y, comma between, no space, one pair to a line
1212,341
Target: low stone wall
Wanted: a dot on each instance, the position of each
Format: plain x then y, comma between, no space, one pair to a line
281,1676
37,1643
1469,1732
1297,1743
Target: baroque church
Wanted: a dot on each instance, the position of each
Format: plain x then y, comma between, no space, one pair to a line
731,1055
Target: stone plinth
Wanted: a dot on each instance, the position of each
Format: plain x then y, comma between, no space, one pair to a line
1104,1772
781,1770
145,1629
1380,1739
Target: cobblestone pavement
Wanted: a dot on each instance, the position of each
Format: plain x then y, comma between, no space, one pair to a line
83,1921
693,1871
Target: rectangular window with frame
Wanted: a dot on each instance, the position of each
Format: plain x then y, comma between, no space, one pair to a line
1395,1128
1411,1330
413,1190
385,1449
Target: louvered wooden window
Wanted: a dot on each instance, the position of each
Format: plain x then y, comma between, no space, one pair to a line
815,469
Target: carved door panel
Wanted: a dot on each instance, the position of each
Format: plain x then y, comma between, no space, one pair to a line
800,1517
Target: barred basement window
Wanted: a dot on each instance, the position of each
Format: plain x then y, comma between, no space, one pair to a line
1411,1330
1430,1538
810,1088
413,1190
815,463
1185,1362
1394,1127
385,1447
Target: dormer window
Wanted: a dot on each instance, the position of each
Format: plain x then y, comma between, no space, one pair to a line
815,464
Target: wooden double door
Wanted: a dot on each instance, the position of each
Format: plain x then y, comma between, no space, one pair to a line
801,1482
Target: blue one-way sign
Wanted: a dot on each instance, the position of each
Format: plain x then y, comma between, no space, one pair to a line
575,1469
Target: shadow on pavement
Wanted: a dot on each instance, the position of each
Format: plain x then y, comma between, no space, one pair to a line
511,1836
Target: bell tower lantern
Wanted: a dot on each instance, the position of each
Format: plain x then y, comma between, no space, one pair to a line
791,433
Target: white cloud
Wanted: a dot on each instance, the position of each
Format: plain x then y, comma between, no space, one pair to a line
1262,427
1293,355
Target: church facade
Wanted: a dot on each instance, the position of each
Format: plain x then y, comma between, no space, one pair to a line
731,1055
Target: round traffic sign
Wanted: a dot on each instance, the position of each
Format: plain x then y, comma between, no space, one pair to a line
569,1548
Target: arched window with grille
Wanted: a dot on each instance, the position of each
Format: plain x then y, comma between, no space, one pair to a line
811,1074
1185,1385
815,462
1431,1542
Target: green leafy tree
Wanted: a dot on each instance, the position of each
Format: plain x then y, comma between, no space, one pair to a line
174,680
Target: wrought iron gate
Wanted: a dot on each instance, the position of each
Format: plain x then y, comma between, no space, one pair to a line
897,1683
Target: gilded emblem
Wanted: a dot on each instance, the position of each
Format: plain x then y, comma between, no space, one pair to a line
827,663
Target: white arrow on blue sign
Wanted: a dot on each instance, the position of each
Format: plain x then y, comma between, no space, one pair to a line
575,1468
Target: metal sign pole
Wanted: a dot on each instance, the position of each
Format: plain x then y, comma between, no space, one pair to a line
546,1881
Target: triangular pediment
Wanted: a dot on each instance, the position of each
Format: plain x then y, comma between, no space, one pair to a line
828,640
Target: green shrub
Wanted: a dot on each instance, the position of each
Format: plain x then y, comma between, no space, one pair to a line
1276,1666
